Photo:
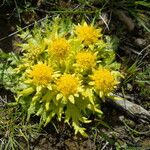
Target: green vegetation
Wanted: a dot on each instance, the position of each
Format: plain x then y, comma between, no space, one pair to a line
15,129
60,75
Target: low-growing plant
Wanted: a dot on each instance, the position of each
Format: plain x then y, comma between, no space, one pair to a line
15,132
65,70
8,78
143,81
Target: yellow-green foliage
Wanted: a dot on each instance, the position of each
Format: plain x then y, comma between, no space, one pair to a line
63,68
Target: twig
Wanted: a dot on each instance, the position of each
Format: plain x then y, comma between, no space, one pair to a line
73,12
144,48
66,12
4,100
135,131
104,146
2,143
110,18
16,32
103,19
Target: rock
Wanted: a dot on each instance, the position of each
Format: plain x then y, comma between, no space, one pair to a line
125,19
131,109
140,42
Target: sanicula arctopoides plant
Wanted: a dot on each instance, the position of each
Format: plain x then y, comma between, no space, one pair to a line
63,70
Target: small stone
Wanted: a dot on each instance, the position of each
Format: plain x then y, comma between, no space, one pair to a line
129,87
140,42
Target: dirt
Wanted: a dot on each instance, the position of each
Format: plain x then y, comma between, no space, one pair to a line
7,26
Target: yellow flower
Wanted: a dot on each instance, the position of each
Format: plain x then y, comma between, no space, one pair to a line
33,48
104,81
67,84
87,34
59,47
86,60
41,74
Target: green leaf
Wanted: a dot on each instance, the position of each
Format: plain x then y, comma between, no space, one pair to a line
143,3
79,129
39,112
31,110
27,91
49,117
47,105
59,96
71,99
113,97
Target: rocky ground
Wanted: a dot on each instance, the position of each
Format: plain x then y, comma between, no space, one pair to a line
125,125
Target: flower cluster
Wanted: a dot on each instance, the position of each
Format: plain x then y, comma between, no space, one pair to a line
87,34
67,84
59,47
63,71
104,81
41,74
86,60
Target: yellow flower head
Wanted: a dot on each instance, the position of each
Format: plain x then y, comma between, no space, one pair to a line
35,51
86,60
67,85
59,47
33,48
87,34
41,74
104,81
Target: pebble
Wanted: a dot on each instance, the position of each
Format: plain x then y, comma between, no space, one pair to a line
140,42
